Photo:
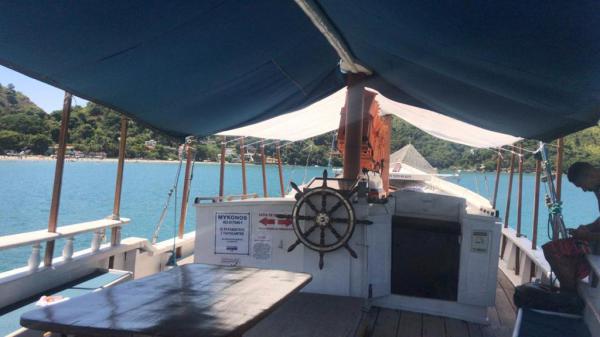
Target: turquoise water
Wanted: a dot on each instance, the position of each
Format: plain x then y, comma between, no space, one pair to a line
88,190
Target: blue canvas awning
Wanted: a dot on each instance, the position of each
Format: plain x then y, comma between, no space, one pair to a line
199,67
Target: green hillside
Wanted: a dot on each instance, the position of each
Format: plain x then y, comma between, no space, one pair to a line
93,128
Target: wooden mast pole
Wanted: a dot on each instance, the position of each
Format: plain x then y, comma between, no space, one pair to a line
115,235
263,160
186,188
496,183
278,152
510,185
520,191
354,126
222,171
58,175
243,155
536,203
559,164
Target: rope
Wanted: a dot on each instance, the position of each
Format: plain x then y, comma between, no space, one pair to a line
166,206
306,166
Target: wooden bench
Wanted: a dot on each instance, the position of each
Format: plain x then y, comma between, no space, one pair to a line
101,278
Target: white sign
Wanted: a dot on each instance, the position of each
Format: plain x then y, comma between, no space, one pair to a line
232,233
270,221
262,246
480,241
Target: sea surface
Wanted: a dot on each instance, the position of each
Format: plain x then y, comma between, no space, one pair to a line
88,191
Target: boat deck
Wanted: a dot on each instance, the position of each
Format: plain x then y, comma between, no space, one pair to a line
315,315
312,315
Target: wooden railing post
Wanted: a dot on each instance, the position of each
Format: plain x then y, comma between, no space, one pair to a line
115,236
280,170
263,160
498,168
508,198
519,208
520,192
222,169
509,194
186,189
243,155
536,203
58,175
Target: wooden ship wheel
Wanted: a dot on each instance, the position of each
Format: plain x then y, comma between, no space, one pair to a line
323,219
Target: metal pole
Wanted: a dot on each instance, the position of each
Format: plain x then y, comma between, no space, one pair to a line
498,168
222,172
115,235
520,192
243,155
263,160
559,164
278,152
186,189
536,203
385,167
58,174
510,183
353,126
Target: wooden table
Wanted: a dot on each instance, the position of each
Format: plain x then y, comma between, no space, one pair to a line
191,300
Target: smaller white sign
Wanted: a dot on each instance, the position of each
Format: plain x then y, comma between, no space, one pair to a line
480,241
262,246
232,233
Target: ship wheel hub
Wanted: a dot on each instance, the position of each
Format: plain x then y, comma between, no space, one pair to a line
322,219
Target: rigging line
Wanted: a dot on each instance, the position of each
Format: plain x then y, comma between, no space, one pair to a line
306,166
166,206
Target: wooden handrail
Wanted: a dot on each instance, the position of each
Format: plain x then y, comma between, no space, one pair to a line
36,237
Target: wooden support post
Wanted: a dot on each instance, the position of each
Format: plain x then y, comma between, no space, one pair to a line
243,155
520,192
222,174
536,203
498,168
278,152
519,209
354,126
115,234
263,161
508,198
510,185
385,167
186,189
58,175
560,144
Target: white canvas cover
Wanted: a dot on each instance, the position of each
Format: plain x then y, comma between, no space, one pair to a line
324,116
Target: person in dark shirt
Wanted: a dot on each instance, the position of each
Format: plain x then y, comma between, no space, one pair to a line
586,177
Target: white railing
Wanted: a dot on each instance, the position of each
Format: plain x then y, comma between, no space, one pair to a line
133,254
36,238
519,261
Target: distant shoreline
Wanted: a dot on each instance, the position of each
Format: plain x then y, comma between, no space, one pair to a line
109,160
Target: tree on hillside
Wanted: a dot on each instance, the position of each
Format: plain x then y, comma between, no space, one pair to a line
10,140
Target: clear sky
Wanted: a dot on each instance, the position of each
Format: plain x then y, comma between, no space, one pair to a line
43,95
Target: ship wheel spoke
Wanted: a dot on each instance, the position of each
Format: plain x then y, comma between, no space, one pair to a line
336,206
324,178
322,242
339,220
295,187
306,217
311,205
323,201
339,237
310,230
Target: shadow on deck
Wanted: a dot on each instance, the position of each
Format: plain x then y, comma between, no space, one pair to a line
313,315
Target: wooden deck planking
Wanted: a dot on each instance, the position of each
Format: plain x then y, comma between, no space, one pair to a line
433,326
386,324
411,325
456,328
